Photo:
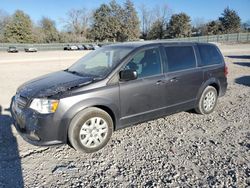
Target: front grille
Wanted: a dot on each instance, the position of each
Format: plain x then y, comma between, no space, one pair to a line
21,101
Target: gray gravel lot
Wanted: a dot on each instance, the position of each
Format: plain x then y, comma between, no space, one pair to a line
181,150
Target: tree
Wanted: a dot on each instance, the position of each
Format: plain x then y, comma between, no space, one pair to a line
154,20
116,19
199,27
162,13
19,29
214,28
4,19
38,34
179,26
130,28
246,26
230,21
113,22
101,29
157,30
49,31
77,23
146,17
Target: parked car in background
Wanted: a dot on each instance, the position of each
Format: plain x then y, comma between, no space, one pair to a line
80,47
94,46
30,49
12,49
115,87
70,47
100,45
87,47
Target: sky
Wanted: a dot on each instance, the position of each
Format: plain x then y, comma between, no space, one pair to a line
56,9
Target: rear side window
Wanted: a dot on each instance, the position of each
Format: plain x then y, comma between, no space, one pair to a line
209,55
180,58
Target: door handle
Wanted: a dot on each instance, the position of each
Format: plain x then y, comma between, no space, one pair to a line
159,82
175,79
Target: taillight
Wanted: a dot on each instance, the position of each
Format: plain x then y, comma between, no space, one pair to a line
226,71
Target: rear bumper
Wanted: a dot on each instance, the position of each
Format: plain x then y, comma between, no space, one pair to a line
37,129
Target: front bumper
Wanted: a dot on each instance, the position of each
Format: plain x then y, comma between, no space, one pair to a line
37,129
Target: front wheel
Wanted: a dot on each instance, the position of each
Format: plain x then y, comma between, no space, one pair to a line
90,130
207,101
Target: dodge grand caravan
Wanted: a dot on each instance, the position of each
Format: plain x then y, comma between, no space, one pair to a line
117,86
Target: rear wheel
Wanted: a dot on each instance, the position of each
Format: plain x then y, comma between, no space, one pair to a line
90,130
207,101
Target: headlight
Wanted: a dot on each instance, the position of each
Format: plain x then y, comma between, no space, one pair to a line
44,106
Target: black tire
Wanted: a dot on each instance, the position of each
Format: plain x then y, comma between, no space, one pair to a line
201,109
82,118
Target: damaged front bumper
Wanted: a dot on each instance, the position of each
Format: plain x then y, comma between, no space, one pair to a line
37,129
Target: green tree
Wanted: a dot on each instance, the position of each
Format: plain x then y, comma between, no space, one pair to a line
107,22
131,23
157,30
49,31
214,28
115,23
179,26
101,27
230,21
4,19
19,29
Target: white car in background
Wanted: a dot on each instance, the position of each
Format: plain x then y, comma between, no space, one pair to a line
30,49
70,47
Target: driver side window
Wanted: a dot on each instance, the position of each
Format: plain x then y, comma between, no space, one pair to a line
146,63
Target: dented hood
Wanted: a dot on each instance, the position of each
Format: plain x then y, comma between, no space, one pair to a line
52,84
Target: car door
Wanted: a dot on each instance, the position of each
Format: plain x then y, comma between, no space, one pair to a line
183,76
143,98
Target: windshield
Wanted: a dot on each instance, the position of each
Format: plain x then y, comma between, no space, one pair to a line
101,62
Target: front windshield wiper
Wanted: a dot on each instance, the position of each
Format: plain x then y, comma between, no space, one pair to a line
82,74
73,72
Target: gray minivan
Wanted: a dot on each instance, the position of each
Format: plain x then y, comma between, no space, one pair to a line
117,86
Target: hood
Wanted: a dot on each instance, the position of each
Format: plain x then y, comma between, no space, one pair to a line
52,84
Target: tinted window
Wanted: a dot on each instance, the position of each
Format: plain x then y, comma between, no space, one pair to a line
180,58
146,63
209,55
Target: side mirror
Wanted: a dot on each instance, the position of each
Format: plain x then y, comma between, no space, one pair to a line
126,75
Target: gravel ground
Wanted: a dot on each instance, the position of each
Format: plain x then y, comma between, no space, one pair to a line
181,150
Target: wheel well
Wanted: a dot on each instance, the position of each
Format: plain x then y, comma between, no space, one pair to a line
106,109
216,86
109,111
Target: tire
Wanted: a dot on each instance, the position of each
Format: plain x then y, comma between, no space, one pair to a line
90,130
207,101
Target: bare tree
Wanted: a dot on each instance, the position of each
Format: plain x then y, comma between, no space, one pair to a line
162,13
146,18
198,22
246,26
149,16
158,29
77,22
199,26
